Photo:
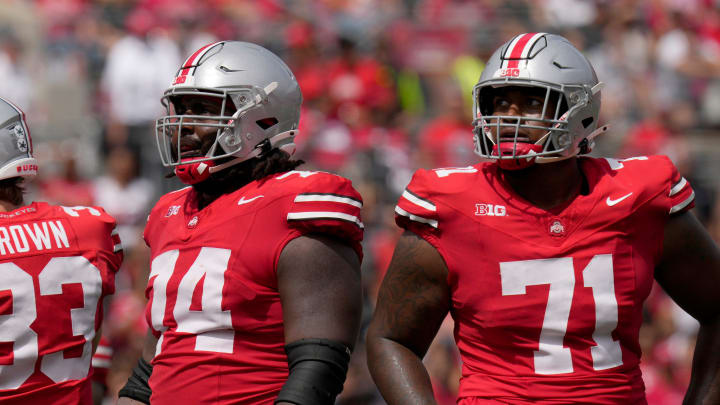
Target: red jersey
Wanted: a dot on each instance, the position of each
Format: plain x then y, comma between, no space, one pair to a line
56,265
547,303
101,362
213,293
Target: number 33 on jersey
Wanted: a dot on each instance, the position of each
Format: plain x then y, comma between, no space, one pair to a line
56,265
540,296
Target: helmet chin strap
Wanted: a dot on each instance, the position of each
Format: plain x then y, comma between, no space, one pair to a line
510,149
274,141
506,150
193,173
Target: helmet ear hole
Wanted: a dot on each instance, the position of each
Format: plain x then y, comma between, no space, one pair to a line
266,123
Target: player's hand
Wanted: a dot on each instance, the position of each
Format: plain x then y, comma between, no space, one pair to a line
130,401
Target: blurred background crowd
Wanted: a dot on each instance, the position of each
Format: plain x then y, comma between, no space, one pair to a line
387,89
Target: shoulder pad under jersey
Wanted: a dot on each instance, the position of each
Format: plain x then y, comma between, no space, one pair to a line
658,179
323,203
95,228
418,202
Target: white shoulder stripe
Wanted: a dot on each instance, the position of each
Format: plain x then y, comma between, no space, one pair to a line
431,222
100,363
118,247
296,216
114,232
418,201
683,204
328,197
104,351
678,187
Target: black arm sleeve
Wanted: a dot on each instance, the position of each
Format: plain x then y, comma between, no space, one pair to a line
317,372
137,386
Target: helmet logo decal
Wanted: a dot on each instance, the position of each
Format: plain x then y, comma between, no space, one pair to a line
20,138
191,63
518,50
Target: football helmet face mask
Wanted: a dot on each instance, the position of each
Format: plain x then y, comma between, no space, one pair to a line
568,81
16,149
264,114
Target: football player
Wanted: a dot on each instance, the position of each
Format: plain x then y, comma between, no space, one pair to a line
56,266
254,290
542,256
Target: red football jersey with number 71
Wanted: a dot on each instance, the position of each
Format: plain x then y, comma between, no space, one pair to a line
213,294
547,303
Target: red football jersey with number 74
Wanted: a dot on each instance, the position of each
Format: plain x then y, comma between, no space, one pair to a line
547,303
213,294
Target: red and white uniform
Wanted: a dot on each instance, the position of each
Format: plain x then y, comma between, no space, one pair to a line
547,303
213,293
101,362
56,265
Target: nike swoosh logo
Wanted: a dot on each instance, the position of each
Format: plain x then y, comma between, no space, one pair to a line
610,202
228,70
244,201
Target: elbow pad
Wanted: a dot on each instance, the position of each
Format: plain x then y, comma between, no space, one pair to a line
317,370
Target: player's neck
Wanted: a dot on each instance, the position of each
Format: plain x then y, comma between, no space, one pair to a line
216,186
6,206
547,185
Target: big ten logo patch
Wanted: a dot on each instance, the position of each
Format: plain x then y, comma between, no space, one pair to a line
490,210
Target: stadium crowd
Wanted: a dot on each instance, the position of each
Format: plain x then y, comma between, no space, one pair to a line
387,90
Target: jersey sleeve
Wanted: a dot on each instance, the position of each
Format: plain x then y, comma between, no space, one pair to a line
101,361
415,210
112,247
680,195
97,232
329,205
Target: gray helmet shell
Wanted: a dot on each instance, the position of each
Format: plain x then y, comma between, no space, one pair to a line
262,88
552,63
16,152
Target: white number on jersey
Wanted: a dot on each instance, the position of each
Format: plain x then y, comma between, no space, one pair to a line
211,325
301,173
15,327
617,164
444,172
552,357
73,211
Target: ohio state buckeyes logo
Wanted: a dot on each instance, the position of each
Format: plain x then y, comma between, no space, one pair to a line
20,138
557,228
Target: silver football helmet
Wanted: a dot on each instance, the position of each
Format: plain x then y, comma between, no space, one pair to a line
266,102
16,154
548,62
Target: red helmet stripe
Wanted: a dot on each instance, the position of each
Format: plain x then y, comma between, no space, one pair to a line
517,51
192,60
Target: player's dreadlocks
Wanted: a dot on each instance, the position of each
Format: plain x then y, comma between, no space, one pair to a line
233,178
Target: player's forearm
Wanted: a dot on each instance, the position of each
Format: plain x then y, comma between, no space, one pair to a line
399,373
704,386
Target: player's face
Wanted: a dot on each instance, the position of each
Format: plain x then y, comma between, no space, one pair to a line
195,138
521,102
